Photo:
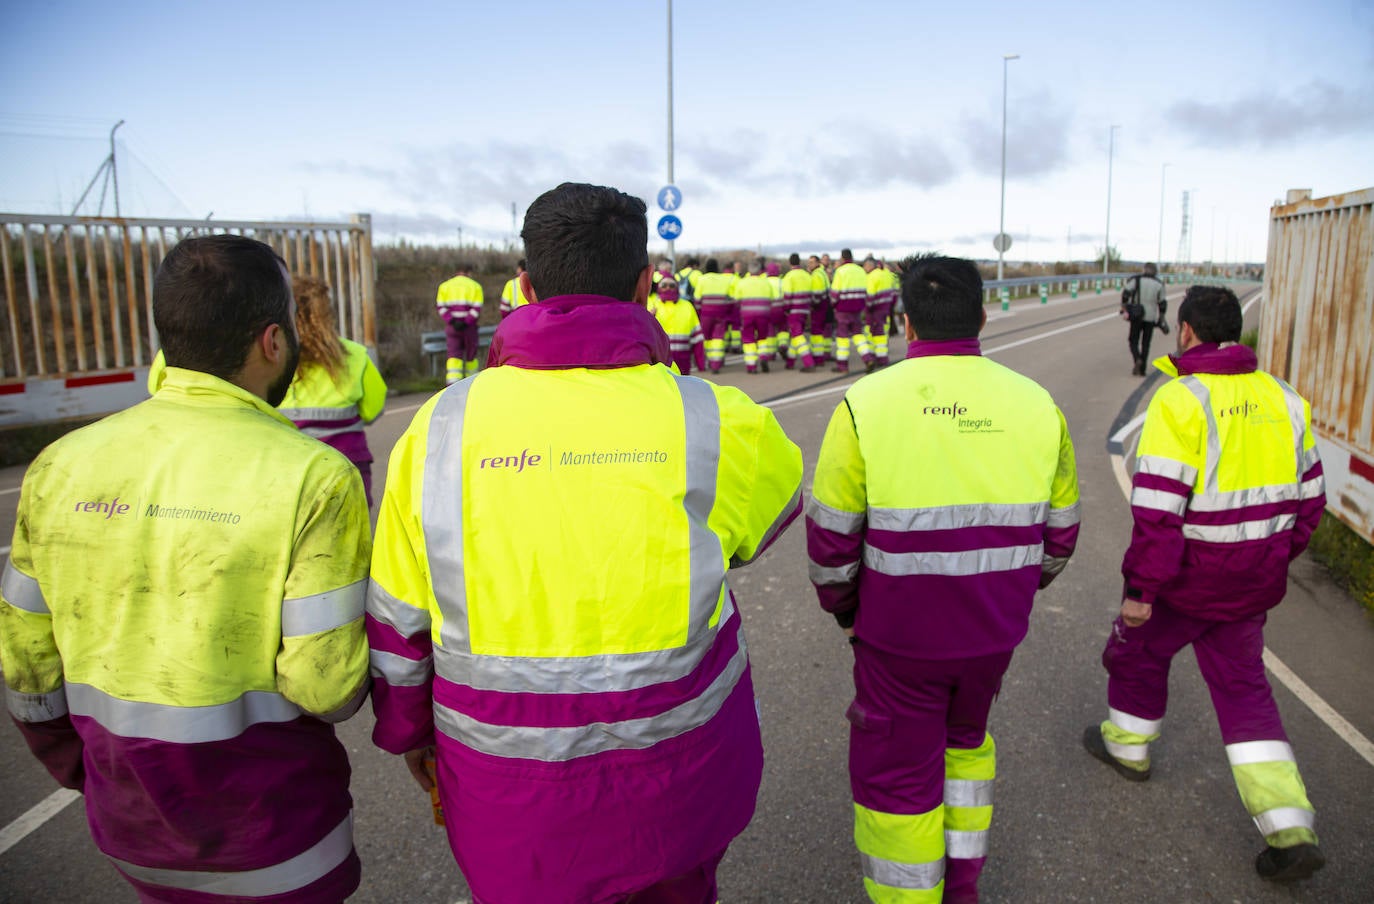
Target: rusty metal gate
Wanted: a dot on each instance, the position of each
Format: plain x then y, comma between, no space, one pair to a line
78,300
1317,331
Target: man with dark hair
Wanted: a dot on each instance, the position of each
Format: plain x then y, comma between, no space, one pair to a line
932,572
1227,491
549,605
717,308
511,296
1145,305
180,624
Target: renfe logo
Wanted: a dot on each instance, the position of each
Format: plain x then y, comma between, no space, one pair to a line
1245,409
111,508
519,462
952,410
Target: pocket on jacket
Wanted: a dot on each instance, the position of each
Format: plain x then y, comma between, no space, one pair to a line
866,719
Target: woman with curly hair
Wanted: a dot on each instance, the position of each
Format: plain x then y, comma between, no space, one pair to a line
337,390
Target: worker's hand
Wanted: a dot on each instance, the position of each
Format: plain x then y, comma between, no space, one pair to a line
1135,613
415,762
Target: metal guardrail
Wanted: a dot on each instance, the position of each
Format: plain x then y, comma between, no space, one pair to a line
434,345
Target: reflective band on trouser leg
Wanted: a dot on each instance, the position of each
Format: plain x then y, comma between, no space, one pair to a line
715,352
751,355
287,876
453,371
1273,792
1128,738
842,349
903,856
469,367
968,815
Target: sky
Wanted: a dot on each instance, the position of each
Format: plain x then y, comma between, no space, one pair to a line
796,126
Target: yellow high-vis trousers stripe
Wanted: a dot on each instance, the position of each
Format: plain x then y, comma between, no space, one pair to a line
903,855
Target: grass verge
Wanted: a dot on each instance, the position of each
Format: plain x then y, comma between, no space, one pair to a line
1347,556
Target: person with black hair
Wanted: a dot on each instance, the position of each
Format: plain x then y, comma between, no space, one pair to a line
550,606
1228,489
1144,304
182,613
945,495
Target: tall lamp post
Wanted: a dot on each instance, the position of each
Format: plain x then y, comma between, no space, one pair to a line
671,256
1159,252
1107,238
1002,213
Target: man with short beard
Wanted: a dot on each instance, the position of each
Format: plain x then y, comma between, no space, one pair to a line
182,610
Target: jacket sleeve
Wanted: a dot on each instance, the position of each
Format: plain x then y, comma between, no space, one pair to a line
1170,455
374,393
837,518
398,611
1061,530
1311,490
322,663
763,468
35,693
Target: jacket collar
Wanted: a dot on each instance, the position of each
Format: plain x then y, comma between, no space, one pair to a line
198,388
1210,358
923,348
579,331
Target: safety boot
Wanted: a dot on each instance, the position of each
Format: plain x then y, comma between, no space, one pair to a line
1288,864
1093,743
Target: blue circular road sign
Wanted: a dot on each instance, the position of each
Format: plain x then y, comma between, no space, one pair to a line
669,227
669,198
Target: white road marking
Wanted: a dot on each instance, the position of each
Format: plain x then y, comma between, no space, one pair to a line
10,490
36,815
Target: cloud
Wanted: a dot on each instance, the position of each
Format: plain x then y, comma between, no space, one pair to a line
1315,110
1038,130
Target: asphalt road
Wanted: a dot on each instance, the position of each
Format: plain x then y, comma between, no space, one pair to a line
1065,828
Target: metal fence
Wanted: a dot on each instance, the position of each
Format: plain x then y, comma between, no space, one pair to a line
78,291
1317,331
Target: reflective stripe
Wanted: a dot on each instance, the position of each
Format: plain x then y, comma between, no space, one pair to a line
952,517
1297,417
838,574
1204,395
323,611
1053,564
784,516
963,792
441,514
1235,499
349,707
326,432
559,744
1242,532
1159,500
36,707
320,414
179,724
1067,516
1308,461
1280,818
1166,467
22,591
289,875
916,876
1312,489
1135,753
1249,753
701,420
1134,724
966,845
408,620
399,671
969,562
833,519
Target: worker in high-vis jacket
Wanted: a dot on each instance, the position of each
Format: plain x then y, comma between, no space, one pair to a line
679,320
337,390
849,293
883,288
550,604
459,304
182,613
822,325
717,307
796,297
754,294
945,496
1227,491
511,296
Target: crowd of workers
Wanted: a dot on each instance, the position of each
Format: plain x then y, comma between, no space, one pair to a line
544,612
801,318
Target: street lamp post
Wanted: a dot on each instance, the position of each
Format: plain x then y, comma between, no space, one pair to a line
1159,252
670,117
1107,238
1002,213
